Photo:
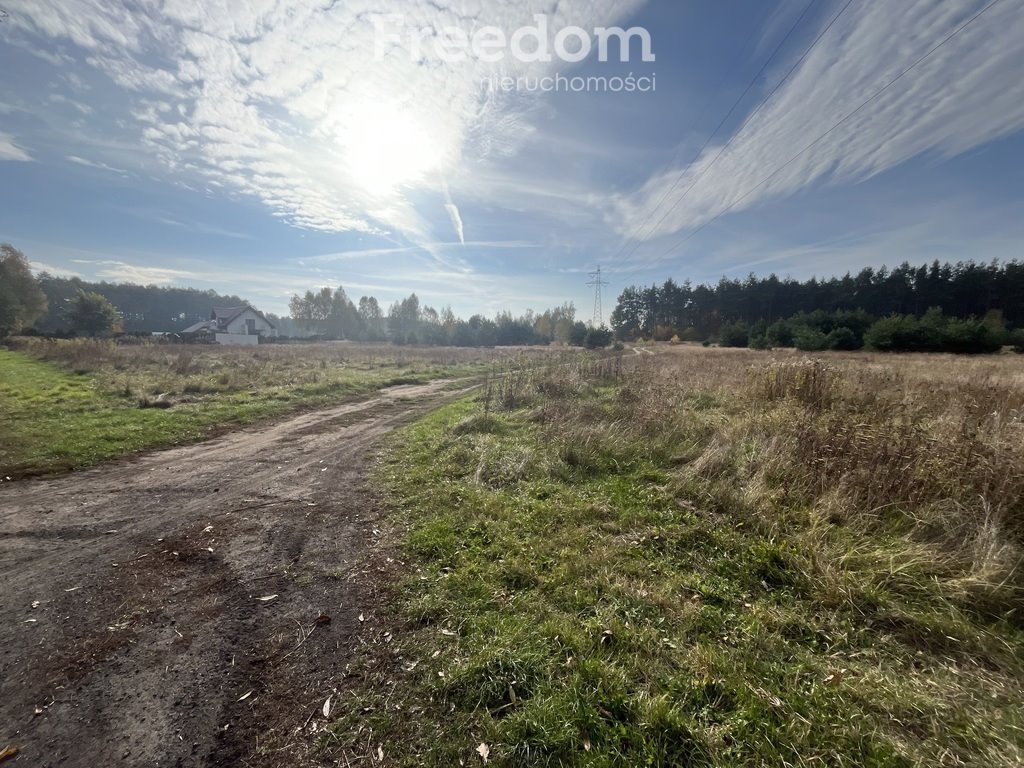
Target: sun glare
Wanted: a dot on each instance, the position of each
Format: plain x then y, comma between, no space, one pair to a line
387,147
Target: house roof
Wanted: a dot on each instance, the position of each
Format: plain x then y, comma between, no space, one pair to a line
226,314
205,325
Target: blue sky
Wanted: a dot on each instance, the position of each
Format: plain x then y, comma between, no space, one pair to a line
268,147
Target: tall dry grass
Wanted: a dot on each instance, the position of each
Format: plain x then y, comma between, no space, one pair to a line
923,452
149,368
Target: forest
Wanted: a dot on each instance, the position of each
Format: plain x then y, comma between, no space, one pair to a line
333,315
965,307
142,308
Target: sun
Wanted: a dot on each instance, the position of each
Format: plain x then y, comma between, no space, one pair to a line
387,147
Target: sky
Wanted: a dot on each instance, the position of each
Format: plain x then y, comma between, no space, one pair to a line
488,155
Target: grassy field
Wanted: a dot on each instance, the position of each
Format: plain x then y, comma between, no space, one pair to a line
712,558
70,404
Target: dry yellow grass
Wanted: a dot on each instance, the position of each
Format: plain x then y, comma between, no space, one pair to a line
711,557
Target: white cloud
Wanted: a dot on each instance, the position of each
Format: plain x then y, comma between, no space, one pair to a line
285,102
40,266
11,151
123,272
97,165
966,94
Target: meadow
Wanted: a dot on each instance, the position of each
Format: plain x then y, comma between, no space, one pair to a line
703,557
68,404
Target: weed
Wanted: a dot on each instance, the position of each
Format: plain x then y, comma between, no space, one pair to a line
710,559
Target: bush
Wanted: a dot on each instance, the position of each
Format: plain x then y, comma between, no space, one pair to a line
935,333
597,338
1016,339
734,335
809,339
780,334
842,339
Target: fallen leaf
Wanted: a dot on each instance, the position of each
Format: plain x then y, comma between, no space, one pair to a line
322,620
327,707
8,752
834,678
267,598
484,751
245,696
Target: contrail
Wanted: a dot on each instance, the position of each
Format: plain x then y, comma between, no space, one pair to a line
453,212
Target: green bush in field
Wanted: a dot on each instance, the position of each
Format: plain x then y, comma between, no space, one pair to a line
734,335
935,333
809,339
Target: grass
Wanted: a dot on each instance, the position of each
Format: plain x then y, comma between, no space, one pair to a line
714,559
70,404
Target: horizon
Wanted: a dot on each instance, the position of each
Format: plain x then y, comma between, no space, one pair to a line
609,301
265,154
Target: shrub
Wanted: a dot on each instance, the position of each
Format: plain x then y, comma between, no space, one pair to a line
1016,338
842,338
597,338
780,334
935,333
734,335
810,339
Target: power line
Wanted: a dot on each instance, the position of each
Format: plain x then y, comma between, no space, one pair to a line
743,125
598,283
849,115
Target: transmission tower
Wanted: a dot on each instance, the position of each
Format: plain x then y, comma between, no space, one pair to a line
597,282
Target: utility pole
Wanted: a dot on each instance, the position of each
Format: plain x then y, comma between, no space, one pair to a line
597,282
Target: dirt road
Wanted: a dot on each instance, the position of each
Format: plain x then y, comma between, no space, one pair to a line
137,626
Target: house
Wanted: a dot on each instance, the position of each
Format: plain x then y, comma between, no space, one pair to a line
233,325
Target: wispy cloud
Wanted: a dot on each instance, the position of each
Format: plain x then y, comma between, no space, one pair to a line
11,151
193,225
968,93
453,213
40,266
97,165
289,104
121,271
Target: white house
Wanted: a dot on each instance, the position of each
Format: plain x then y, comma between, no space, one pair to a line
234,325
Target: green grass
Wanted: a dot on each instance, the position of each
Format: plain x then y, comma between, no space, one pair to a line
580,592
54,419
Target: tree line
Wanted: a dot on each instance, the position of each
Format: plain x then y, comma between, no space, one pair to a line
141,308
331,314
947,304
59,305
